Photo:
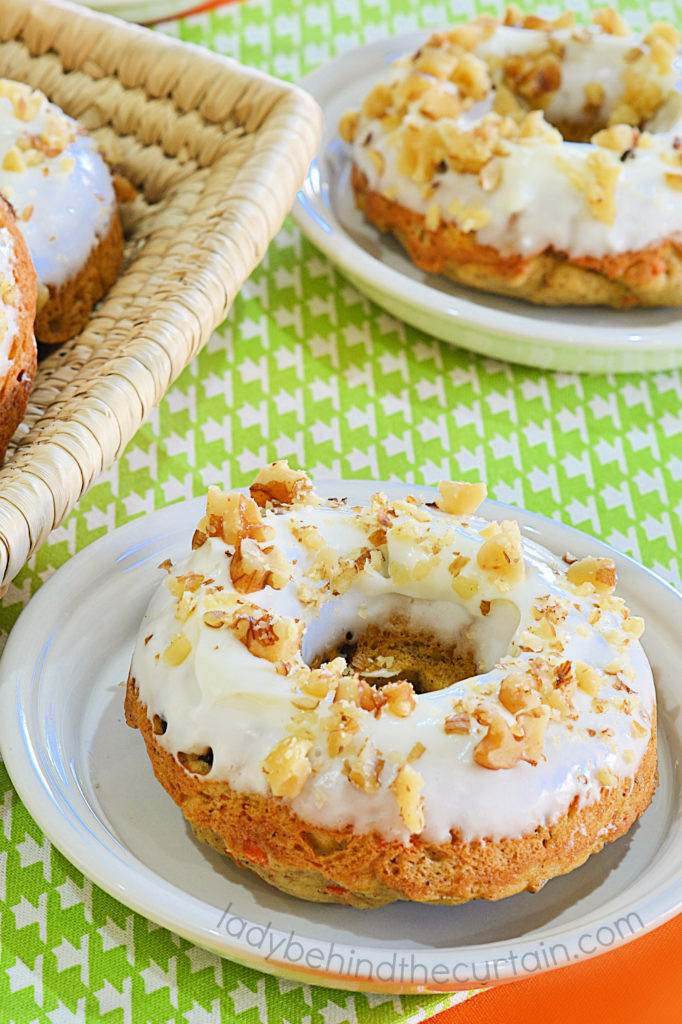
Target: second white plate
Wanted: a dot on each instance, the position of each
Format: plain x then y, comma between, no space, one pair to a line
86,779
567,338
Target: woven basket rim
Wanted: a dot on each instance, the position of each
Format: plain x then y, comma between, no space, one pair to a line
240,203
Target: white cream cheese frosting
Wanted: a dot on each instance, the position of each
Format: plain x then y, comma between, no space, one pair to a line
56,180
562,681
500,171
9,298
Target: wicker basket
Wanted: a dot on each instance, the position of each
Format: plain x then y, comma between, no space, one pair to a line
217,152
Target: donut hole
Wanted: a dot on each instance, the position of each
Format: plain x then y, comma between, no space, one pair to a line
381,655
431,644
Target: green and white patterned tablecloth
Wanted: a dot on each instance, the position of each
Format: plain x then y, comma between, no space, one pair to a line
306,368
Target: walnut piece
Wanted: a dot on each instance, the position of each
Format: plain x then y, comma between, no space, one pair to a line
501,556
364,770
275,638
517,692
278,484
501,747
231,517
177,650
599,572
460,498
400,698
407,787
287,766
252,567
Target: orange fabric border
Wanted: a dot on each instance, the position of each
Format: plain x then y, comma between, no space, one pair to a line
640,983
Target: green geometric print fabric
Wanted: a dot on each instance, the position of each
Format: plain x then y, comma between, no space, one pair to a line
306,368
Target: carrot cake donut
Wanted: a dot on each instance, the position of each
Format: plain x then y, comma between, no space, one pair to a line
18,292
531,158
401,700
60,188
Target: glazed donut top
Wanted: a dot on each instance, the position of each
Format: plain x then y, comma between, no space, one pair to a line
475,128
562,704
57,182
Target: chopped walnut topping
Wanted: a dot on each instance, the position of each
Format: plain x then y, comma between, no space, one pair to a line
287,766
231,517
417,750
278,484
307,535
266,635
178,649
185,606
600,573
674,181
435,104
14,160
377,161
305,702
518,692
534,725
533,76
318,682
465,587
364,770
619,137
377,102
252,568
347,689
663,41
343,725
413,508
633,625
610,21
348,125
217,618
457,564
500,747
407,787
595,95
459,723
638,730
25,101
501,556
400,698
460,498
600,187
470,75
190,581
534,128
607,778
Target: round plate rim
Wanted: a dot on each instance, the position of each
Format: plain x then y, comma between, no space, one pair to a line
138,887
552,342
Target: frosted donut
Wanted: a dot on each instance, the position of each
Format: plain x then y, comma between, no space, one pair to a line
18,291
396,701
531,158
61,190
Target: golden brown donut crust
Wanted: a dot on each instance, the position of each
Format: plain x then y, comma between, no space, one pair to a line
16,384
66,310
366,870
649,277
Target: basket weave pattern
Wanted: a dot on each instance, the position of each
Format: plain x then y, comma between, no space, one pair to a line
216,152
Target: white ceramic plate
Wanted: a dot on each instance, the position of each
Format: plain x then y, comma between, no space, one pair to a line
595,339
142,10
85,778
